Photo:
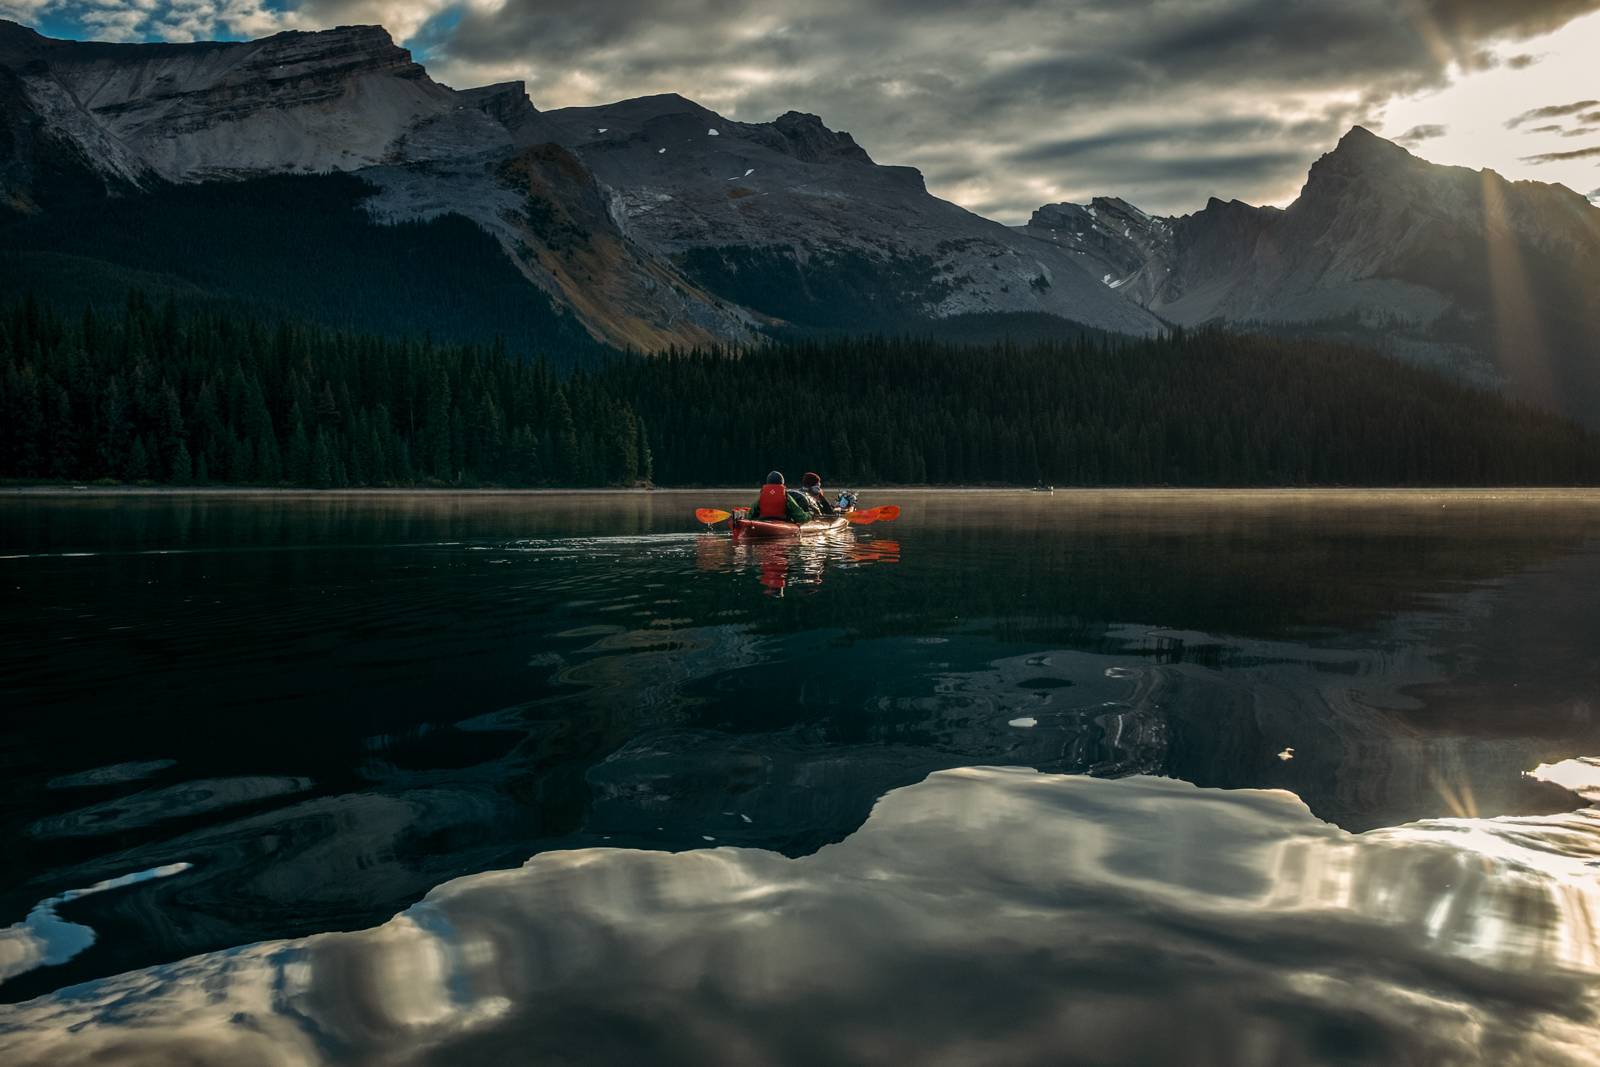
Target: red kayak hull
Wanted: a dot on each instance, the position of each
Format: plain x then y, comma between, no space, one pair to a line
774,530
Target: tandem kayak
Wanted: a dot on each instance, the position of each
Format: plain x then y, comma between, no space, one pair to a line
774,528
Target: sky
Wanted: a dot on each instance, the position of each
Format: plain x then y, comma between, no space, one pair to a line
1009,104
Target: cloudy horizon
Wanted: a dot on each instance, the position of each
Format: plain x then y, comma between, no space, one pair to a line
1009,104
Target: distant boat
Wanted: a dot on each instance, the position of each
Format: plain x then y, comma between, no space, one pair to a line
1044,489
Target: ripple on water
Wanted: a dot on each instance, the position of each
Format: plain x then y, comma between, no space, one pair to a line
115,774
169,802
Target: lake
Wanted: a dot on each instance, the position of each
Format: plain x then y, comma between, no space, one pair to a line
1090,777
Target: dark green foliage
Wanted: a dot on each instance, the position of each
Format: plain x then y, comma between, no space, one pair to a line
138,465
1204,408
245,244
203,396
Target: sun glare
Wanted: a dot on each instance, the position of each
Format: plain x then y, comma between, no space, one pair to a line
1476,107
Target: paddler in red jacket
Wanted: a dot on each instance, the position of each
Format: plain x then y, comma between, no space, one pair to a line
777,504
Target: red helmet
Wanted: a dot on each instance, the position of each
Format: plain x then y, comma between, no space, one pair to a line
810,478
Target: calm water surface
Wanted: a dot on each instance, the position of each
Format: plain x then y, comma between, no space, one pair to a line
1092,777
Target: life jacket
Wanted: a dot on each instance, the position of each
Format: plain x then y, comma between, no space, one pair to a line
774,502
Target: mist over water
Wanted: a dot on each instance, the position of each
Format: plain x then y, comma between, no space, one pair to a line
325,706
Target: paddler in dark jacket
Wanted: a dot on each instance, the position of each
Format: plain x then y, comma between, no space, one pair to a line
811,490
777,504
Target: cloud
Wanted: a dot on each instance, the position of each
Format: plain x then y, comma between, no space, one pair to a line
1580,131
1559,157
1521,62
1223,130
908,79
1553,111
1418,134
1554,127
194,20
983,95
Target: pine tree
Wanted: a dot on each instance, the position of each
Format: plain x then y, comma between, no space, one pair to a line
170,434
525,457
181,465
436,447
567,453
647,460
30,429
241,460
138,463
63,436
298,468
376,462
841,456
322,473
269,468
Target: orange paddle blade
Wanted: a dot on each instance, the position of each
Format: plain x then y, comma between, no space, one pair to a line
710,516
888,513
861,518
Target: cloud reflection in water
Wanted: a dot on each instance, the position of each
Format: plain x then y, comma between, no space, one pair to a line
983,915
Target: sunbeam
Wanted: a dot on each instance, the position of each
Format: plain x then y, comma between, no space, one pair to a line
1519,342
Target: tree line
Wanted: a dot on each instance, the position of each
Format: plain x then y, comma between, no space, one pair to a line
157,394
203,397
1197,408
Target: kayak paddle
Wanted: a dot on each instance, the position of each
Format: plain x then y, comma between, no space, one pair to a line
711,516
887,513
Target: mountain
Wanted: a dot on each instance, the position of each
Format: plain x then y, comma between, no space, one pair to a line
797,222
642,224
1492,279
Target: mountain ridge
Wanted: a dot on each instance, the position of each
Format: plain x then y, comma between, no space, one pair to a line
656,222
767,226
1446,265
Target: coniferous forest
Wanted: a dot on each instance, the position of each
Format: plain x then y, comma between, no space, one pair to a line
156,394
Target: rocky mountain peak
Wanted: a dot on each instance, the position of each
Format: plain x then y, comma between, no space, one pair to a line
1361,154
1443,264
335,99
505,102
813,142
18,43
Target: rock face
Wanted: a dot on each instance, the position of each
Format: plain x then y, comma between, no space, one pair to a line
797,222
337,100
655,220
1464,269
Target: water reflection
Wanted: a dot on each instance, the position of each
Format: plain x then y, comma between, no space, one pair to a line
794,566
331,705
981,916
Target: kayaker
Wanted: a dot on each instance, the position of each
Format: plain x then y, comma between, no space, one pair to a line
815,500
777,504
